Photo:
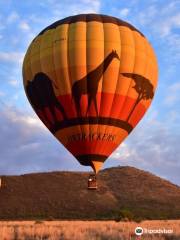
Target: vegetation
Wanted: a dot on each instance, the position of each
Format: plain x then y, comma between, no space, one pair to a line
124,193
80,230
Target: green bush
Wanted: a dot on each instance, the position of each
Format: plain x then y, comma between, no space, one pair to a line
38,222
126,214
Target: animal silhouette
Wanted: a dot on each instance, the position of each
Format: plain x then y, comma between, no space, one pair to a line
41,95
89,84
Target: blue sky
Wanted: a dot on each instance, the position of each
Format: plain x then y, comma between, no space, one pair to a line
27,146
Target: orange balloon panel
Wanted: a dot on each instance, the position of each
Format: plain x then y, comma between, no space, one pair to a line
90,78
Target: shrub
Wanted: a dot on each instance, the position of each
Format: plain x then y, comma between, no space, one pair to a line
126,215
38,222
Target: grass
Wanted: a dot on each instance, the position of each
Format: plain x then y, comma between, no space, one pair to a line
85,230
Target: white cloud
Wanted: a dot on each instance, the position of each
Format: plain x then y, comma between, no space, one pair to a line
175,87
173,95
123,152
1,36
152,146
162,20
13,82
16,57
160,23
124,12
2,94
20,118
68,8
173,116
26,145
173,44
93,4
12,17
29,147
147,16
166,26
24,26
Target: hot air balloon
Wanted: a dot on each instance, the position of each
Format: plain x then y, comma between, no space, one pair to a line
90,78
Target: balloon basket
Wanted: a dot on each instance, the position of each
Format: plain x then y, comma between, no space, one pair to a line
92,182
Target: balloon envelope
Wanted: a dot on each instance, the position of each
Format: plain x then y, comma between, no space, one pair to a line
90,78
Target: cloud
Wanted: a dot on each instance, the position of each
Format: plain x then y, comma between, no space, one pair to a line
62,9
27,146
124,12
162,20
94,4
2,94
11,57
24,26
173,46
173,95
160,23
13,82
16,116
12,17
168,25
152,146
123,153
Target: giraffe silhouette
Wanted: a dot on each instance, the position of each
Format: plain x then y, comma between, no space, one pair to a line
89,84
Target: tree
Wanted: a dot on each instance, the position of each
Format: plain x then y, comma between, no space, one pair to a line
143,87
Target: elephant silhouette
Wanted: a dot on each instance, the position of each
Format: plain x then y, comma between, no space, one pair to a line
41,94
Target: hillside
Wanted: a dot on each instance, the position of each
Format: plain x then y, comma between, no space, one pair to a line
122,192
